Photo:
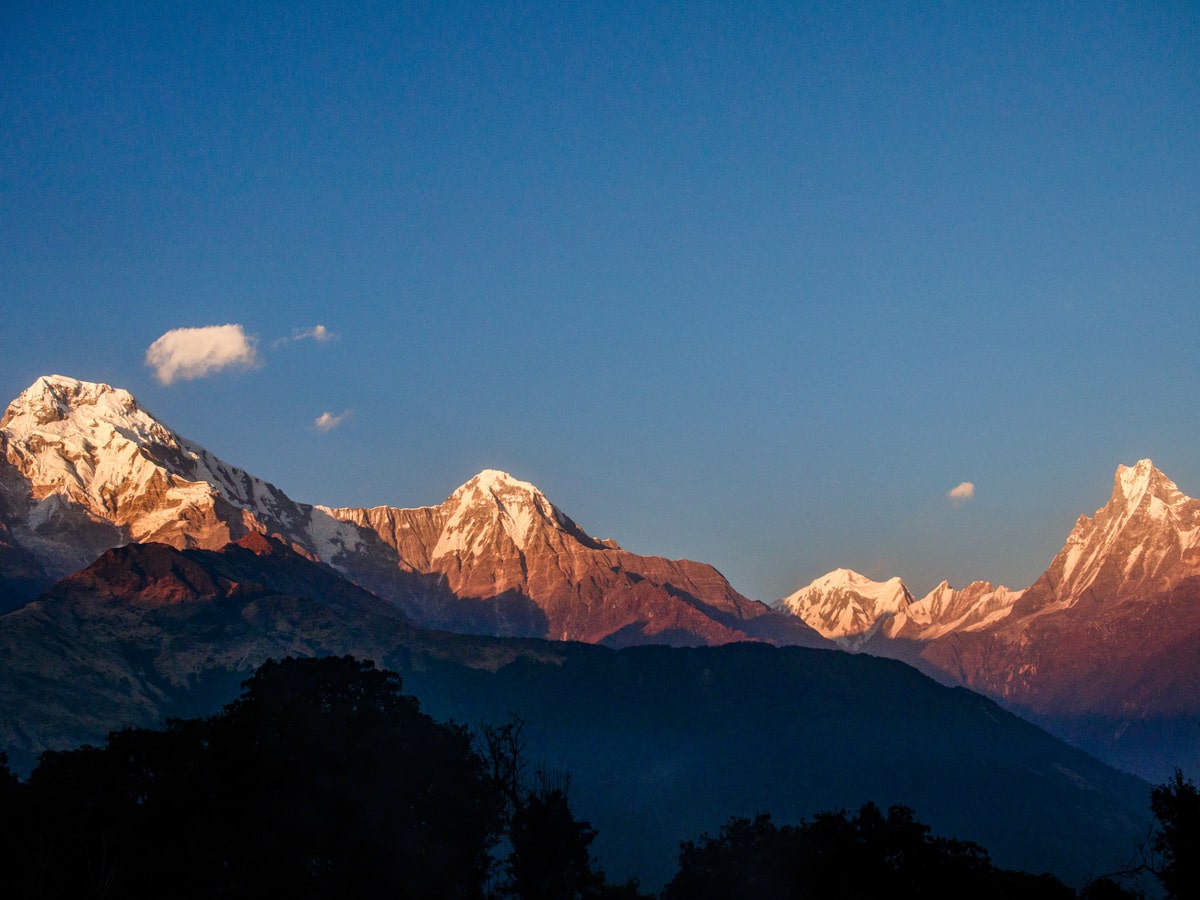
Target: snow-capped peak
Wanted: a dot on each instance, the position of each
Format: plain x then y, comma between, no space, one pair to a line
494,500
844,603
946,609
859,582
494,482
1132,483
89,452
55,398
1145,536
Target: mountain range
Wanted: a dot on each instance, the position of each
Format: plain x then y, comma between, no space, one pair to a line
145,577
1103,649
84,468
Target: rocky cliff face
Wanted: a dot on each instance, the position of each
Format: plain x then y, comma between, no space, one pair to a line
1144,541
499,539
85,469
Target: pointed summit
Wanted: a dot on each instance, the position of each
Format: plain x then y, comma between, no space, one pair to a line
492,484
1132,485
496,506
1146,538
494,479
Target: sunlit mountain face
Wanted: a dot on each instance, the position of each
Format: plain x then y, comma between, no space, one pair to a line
1100,648
1096,649
87,468
163,575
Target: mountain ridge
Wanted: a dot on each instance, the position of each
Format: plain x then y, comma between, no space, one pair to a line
86,468
1144,540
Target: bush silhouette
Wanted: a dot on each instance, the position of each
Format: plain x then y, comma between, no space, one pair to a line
868,855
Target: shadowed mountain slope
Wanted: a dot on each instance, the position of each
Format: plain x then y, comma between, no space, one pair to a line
661,742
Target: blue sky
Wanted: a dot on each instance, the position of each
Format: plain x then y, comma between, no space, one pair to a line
755,286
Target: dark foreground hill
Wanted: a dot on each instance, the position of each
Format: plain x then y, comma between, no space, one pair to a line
661,743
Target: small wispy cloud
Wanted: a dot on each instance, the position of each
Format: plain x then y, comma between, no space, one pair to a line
961,493
318,333
328,421
184,354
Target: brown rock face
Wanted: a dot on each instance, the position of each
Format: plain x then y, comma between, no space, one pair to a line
514,564
147,575
158,575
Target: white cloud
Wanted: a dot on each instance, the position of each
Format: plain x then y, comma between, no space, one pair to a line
318,333
962,492
327,421
187,353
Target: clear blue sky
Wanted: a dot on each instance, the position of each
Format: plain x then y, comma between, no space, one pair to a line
756,287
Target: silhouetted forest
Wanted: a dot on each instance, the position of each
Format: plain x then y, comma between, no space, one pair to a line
324,780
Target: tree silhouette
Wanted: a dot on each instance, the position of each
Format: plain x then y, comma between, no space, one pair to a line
339,780
550,858
322,780
549,854
1176,806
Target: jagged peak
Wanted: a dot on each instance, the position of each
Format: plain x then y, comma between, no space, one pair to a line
54,397
1131,483
1139,490
942,587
